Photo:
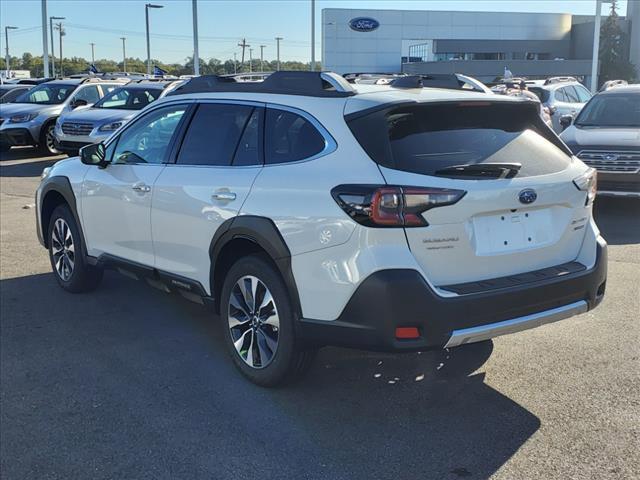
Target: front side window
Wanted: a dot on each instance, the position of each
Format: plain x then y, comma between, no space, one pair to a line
560,96
129,98
148,139
47,94
583,94
89,94
571,94
213,134
290,137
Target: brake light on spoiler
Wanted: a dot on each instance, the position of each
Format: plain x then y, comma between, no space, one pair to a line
392,206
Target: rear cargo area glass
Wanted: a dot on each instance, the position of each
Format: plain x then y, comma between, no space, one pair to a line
428,138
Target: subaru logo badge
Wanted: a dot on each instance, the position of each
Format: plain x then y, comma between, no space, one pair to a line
611,157
364,24
527,196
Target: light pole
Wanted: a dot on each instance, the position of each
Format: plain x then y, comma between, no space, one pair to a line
61,31
146,17
7,59
93,54
278,52
313,35
196,56
45,40
596,45
262,57
53,53
124,55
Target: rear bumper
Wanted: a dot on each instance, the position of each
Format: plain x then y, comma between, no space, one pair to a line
389,299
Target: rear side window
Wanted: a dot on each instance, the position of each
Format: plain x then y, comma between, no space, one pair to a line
428,138
213,134
572,95
290,137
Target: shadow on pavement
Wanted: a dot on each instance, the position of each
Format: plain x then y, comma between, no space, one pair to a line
29,163
129,382
618,219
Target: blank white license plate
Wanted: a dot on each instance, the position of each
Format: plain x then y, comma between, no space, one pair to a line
509,231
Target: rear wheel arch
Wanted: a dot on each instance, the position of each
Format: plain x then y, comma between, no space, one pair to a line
249,235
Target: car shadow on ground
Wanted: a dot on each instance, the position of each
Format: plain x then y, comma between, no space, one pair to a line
14,163
136,381
618,219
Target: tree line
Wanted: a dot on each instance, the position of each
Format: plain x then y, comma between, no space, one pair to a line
213,66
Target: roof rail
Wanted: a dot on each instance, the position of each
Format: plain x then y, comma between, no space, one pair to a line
310,84
551,80
438,80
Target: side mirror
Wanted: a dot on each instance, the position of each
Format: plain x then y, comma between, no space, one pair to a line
565,121
79,102
93,155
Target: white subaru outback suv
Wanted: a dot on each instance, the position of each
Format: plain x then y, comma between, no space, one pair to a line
309,213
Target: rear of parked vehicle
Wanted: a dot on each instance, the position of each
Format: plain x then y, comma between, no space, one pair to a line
387,219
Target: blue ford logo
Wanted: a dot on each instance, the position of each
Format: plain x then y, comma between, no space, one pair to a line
527,196
364,24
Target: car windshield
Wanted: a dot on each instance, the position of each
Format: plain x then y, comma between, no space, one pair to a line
47,94
129,98
611,110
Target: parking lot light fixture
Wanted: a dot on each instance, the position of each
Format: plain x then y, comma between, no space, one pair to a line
146,17
6,46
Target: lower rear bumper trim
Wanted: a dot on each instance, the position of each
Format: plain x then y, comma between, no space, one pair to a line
486,332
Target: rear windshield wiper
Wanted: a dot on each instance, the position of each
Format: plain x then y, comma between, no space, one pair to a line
493,170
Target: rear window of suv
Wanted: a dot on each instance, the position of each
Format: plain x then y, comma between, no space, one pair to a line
427,138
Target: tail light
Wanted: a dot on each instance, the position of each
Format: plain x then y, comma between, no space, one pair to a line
588,182
392,206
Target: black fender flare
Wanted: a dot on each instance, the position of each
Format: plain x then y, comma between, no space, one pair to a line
264,233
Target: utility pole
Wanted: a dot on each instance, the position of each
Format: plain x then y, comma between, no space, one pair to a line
7,58
124,55
93,55
196,56
250,60
61,32
313,35
235,63
262,57
244,45
45,40
596,47
278,51
53,53
146,17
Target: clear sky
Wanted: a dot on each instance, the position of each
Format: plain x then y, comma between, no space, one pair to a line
221,24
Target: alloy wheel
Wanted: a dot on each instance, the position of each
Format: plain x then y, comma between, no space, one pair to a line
253,319
63,249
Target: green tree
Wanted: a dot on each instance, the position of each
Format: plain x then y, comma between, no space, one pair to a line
613,54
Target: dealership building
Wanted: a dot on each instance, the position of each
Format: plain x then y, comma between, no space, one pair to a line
479,44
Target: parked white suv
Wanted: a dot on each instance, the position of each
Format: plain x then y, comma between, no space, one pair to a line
311,213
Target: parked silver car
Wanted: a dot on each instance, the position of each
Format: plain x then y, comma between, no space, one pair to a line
561,95
30,119
88,125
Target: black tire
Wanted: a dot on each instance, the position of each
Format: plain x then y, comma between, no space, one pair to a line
69,267
291,359
46,143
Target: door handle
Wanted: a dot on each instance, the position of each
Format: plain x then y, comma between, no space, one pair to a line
141,187
225,196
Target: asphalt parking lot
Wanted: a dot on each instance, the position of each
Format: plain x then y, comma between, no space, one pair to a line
129,382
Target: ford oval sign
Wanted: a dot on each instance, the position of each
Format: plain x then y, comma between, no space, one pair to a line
527,196
364,24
